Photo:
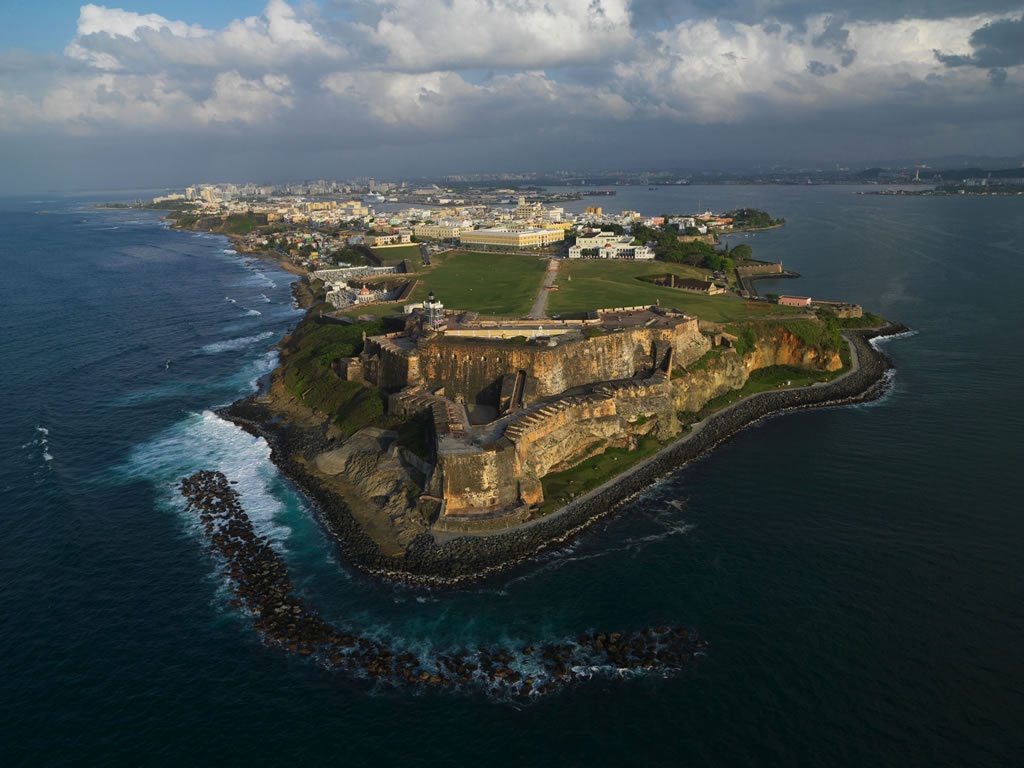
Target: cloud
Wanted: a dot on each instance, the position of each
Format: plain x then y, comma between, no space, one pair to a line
118,40
834,37
499,33
545,78
996,46
820,69
667,13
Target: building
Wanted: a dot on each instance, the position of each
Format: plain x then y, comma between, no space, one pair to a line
512,237
804,302
396,238
438,231
606,245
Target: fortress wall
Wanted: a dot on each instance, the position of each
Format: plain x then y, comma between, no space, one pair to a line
556,417
473,370
562,434
397,368
760,269
479,482
688,343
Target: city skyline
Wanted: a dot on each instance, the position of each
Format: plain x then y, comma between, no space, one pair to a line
159,93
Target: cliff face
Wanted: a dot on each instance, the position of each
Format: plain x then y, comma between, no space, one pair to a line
731,371
783,348
382,480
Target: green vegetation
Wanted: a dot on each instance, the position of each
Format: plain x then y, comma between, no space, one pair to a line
823,335
307,356
607,283
741,252
667,247
562,487
763,380
752,218
488,283
869,320
746,339
700,364
239,224
393,254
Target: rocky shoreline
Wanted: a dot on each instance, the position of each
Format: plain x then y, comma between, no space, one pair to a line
262,587
473,557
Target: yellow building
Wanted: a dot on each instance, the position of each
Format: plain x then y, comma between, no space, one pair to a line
437,231
509,237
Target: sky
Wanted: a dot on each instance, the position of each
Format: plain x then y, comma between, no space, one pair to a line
164,93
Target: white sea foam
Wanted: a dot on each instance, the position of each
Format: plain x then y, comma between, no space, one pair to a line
253,313
886,386
41,443
879,340
206,441
233,345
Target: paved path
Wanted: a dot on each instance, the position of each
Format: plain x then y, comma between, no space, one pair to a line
540,304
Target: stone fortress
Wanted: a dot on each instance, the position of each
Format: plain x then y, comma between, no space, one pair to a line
511,402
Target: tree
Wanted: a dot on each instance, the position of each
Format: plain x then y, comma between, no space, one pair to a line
742,252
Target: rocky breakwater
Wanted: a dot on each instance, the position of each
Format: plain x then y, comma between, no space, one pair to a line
262,588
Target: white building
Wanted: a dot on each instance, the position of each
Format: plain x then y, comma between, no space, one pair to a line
609,246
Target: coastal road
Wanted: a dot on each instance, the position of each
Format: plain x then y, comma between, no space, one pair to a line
539,311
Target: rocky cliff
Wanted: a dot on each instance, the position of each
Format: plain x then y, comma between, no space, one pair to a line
730,370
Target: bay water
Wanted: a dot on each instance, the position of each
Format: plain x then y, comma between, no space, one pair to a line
855,570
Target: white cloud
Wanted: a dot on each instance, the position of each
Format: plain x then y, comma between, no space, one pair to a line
236,99
433,103
115,39
707,72
500,33
564,67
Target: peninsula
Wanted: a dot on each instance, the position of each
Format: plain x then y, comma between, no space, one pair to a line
453,411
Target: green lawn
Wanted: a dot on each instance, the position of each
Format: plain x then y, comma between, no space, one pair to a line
599,284
488,283
562,487
393,254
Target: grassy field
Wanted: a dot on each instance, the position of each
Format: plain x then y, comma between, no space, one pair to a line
488,283
765,379
597,284
393,254
562,487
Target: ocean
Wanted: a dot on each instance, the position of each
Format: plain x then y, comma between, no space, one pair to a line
855,570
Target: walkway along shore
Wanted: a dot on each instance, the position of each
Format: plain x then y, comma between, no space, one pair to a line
468,558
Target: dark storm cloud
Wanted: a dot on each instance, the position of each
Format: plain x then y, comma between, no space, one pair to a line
996,46
999,44
836,39
820,69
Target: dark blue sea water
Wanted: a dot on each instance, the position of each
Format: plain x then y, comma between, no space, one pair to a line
856,570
